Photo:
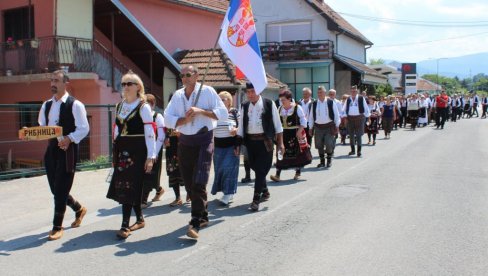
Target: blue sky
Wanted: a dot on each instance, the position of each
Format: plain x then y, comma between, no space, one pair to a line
385,34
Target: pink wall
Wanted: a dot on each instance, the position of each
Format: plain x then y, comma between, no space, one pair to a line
176,26
88,91
43,15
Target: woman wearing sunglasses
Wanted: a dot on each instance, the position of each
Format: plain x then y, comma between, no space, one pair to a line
134,151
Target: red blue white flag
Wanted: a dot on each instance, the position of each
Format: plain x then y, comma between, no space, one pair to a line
239,41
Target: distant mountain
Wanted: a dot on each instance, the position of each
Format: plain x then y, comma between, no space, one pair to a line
463,66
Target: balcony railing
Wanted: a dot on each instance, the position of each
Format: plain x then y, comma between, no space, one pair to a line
297,50
42,55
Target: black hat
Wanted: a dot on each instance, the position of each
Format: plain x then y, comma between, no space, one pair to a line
249,85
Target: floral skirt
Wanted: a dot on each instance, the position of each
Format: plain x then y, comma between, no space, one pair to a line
293,157
130,155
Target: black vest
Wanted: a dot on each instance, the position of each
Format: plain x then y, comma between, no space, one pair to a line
329,106
132,124
66,118
360,104
266,118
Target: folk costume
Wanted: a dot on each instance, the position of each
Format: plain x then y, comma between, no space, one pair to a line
357,112
196,147
60,165
134,143
372,126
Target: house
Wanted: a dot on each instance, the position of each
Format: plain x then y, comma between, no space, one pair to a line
426,86
306,43
97,41
394,75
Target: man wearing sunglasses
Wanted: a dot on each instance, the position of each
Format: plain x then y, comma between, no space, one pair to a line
194,112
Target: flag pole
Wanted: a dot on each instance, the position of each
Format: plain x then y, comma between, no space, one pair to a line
206,69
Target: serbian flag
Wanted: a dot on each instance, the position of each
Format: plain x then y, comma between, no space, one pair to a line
240,42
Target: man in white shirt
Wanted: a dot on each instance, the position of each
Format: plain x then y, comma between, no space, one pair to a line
194,111
356,110
305,103
259,126
324,125
62,153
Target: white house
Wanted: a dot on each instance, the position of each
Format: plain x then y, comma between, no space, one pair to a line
306,43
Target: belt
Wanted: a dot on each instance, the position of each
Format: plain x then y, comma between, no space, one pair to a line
255,137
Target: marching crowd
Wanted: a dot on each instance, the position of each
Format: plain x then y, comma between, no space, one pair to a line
199,127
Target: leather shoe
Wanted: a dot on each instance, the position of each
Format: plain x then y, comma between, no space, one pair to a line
320,165
275,178
79,218
192,232
123,233
55,234
158,195
138,225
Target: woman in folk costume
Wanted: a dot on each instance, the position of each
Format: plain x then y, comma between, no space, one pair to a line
372,124
343,125
388,115
423,111
398,112
175,181
152,180
413,106
226,155
467,107
296,154
134,152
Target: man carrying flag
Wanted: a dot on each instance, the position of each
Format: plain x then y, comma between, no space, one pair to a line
259,117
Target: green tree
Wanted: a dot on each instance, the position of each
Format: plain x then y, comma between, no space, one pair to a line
373,61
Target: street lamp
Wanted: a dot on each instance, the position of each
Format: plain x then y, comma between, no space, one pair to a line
438,72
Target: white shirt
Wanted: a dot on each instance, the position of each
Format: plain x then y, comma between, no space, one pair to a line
147,117
322,113
306,107
429,102
160,129
354,107
79,113
255,124
300,113
179,105
339,107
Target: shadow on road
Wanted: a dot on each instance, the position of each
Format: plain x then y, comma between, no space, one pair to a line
91,240
22,243
175,240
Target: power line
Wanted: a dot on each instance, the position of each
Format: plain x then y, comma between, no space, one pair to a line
429,41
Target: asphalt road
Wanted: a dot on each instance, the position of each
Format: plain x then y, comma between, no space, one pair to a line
413,205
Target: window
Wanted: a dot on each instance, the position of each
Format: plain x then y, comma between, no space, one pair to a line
29,112
299,78
18,23
288,31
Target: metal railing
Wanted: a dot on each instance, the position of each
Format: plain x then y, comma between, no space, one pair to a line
25,158
297,50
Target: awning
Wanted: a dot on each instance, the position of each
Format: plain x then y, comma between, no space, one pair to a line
368,75
146,33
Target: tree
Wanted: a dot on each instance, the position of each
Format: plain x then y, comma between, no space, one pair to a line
377,61
383,90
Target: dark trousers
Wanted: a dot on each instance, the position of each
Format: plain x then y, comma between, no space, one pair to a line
475,110
188,161
454,114
60,181
403,117
485,108
260,161
441,116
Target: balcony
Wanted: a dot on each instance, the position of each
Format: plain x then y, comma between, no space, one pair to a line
297,50
46,54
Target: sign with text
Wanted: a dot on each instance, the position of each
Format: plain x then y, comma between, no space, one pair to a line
40,132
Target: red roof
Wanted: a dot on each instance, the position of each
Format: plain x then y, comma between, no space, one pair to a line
221,72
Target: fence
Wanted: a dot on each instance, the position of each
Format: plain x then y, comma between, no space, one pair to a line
25,158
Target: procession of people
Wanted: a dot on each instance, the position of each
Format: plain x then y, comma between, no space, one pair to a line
200,127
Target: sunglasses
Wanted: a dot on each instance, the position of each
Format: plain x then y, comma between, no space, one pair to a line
128,84
187,75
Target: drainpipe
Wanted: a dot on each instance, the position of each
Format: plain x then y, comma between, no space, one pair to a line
112,47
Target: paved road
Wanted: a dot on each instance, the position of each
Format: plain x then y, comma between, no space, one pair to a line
416,204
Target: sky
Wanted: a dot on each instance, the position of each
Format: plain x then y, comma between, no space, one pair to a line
383,35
